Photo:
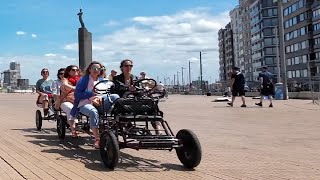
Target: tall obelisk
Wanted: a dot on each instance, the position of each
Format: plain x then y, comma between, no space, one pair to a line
85,44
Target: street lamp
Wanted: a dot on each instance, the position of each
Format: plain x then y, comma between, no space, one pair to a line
190,75
178,80
284,63
201,85
182,68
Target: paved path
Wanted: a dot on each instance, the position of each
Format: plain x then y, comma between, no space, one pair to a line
238,143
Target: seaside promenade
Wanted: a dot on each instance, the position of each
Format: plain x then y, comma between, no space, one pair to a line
237,143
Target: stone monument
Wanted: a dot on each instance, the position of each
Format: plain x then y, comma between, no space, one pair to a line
85,44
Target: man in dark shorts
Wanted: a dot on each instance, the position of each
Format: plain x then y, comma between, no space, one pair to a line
237,86
267,87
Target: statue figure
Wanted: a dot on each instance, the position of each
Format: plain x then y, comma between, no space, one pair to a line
80,18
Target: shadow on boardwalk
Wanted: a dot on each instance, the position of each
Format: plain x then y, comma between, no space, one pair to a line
81,150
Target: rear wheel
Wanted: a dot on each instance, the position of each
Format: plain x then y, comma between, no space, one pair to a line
190,152
38,120
61,126
109,149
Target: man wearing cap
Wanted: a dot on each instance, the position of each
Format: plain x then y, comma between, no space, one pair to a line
237,86
266,84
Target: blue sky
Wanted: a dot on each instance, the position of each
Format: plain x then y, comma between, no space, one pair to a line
160,36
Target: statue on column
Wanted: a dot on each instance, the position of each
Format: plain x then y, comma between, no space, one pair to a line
80,18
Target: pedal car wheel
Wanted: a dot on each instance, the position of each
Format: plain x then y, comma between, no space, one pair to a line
61,127
38,120
109,149
190,152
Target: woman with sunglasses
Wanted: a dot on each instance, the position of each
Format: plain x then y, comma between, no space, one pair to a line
44,89
126,77
56,85
69,81
87,102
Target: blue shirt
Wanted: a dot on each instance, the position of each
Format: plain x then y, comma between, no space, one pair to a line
267,77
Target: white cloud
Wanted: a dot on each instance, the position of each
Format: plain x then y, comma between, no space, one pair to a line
161,45
20,33
50,55
112,23
34,35
73,47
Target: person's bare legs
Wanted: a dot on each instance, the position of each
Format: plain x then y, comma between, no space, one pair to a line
72,125
243,100
270,99
95,132
45,104
232,100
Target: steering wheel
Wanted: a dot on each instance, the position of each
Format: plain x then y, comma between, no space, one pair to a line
145,85
103,87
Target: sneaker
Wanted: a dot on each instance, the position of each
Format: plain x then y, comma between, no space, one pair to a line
243,105
259,104
230,104
270,105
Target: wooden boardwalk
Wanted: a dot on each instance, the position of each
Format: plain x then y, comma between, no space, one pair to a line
238,143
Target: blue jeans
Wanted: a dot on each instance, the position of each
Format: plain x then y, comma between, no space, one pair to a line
93,113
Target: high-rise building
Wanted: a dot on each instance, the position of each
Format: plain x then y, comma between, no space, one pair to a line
253,25
226,54
301,28
16,66
264,36
236,27
11,76
222,56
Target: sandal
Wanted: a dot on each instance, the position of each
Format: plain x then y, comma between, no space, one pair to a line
97,144
74,134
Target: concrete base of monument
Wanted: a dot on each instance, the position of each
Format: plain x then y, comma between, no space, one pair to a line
222,99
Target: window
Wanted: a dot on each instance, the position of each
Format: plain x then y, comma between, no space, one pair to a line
289,62
269,60
304,59
270,51
305,73
294,7
297,73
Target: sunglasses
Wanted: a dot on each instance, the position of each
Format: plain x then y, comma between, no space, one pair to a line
45,71
96,69
74,69
61,73
127,65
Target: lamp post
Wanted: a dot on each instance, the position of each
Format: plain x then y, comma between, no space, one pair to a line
182,68
277,52
201,84
190,75
284,63
178,80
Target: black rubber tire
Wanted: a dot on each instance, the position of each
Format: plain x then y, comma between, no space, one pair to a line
61,126
38,120
190,152
109,149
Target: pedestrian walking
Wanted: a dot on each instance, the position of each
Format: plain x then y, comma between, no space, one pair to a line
237,86
267,86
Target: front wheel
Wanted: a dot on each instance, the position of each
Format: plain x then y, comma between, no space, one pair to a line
109,149
38,120
190,152
61,126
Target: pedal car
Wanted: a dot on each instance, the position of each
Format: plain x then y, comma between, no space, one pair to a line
131,124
